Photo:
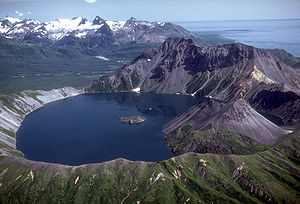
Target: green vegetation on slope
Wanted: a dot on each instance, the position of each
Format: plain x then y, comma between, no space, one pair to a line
196,83
7,132
36,66
210,141
34,96
185,129
31,67
7,102
286,57
268,176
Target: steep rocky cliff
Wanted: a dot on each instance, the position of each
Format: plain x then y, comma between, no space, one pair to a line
277,99
226,72
14,108
183,66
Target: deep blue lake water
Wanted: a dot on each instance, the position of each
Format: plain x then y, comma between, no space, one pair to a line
84,129
269,34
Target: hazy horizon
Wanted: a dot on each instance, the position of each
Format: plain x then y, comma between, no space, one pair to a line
175,21
91,19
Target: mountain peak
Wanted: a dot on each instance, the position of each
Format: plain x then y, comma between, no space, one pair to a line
181,65
74,18
175,42
132,19
12,20
131,22
83,21
98,20
118,32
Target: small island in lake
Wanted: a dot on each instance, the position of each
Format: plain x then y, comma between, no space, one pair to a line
132,119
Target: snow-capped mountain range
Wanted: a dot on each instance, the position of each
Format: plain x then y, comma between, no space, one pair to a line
92,33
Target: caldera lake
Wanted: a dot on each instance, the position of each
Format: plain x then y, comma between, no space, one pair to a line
85,129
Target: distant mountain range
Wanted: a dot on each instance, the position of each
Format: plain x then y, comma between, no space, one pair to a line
98,32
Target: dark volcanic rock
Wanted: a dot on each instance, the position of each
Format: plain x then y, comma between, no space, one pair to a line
36,37
297,65
6,23
278,101
105,30
131,22
98,21
180,65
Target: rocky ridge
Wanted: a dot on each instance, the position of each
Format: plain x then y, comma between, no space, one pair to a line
14,108
96,33
190,177
223,128
278,100
183,66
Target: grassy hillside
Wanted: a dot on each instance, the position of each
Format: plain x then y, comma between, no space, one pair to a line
268,176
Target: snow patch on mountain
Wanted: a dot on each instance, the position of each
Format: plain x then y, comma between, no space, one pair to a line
13,20
3,29
102,58
56,36
137,89
80,35
146,23
115,25
161,23
105,31
32,22
70,25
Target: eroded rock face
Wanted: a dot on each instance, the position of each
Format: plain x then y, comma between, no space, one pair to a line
284,104
180,65
222,128
15,107
226,72
277,100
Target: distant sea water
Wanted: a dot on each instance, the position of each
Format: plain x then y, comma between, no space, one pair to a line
284,34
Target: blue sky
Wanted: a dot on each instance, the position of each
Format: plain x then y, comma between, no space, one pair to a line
152,10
